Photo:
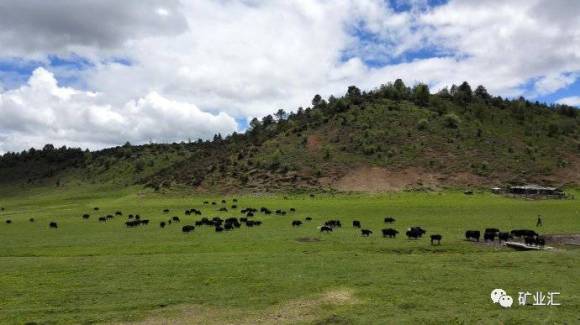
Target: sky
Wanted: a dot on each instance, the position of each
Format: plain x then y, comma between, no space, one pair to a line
98,73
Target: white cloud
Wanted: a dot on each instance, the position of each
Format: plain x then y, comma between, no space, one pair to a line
43,112
550,83
572,101
33,28
507,43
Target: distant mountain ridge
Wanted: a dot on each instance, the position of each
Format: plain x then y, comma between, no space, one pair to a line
391,138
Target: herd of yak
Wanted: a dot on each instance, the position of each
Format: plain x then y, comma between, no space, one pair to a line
530,237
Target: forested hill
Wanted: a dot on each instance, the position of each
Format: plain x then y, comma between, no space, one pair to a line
394,137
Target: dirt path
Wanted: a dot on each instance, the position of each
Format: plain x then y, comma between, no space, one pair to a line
291,312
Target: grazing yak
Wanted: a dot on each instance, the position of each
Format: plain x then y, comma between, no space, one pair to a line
96,208
102,219
333,224
252,223
296,223
176,219
535,241
325,229
472,234
132,223
489,236
162,224
505,236
31,219
308,219
519,233
165,210
415,232
53,225
118,213
389,220
436,238
187,228
356,224
8,221
390,232
366,232
86,216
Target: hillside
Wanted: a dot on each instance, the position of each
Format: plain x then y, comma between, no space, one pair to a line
394,137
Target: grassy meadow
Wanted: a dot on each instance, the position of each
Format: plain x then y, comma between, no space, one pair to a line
90,272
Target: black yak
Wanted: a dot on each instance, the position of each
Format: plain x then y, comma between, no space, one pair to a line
325,229
390,232
472,234
187,228
366,232
436,238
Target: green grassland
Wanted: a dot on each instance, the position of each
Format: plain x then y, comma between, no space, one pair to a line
88,272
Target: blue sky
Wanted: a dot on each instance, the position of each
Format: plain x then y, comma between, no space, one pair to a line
98,73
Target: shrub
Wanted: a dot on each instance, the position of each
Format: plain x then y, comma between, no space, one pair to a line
422,124
139,165
451,120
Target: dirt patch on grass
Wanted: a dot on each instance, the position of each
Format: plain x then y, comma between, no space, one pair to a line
563,239
377,179
551,240
307,239
290,312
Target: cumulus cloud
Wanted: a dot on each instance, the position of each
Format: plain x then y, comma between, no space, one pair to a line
34,28
572,101
43,112
507,43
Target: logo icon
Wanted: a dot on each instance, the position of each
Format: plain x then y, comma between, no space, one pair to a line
501,297
496,294
506,301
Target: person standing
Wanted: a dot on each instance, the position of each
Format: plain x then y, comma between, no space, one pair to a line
539,223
